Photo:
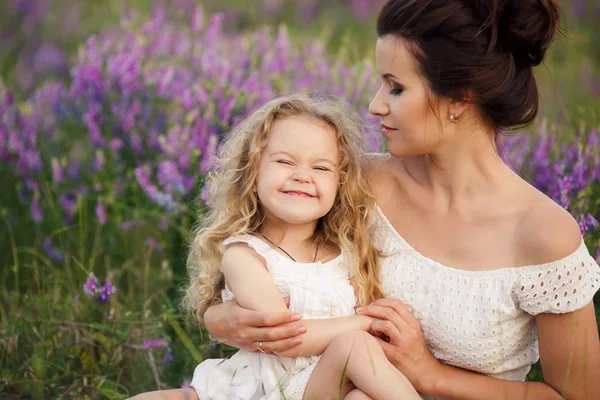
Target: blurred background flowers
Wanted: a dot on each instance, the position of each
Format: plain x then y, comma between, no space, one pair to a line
110,114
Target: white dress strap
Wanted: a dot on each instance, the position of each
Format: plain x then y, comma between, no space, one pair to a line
260,246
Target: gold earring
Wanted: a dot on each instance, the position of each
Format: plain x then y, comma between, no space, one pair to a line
453,118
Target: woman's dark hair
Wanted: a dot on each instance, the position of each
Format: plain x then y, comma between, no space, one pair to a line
487,46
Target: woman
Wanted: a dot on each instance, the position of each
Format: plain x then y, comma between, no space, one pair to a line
486,274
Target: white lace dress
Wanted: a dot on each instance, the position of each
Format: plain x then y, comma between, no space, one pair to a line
483,321
316,291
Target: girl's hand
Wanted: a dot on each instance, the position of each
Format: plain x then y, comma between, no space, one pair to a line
235,326
404,344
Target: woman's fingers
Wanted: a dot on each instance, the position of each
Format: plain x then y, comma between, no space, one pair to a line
262,319
278,346
388,349
243,328
388,329
280,337
401,309
384,313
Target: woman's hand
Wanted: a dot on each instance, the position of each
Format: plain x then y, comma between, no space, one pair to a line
235,326
404,344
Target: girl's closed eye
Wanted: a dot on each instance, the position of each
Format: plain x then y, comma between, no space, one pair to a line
283,161
321,168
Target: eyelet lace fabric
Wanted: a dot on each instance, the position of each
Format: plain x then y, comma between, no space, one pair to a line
483,321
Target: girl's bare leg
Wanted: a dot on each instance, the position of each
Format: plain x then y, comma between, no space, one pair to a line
357,394
367,369
176,394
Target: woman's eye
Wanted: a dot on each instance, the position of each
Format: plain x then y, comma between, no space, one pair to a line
396,91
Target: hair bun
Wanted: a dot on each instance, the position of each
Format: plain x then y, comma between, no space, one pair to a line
526,28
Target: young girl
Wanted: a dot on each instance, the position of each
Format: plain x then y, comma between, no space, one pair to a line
291,217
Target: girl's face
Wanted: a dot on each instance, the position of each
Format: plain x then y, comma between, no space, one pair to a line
298,176
408,122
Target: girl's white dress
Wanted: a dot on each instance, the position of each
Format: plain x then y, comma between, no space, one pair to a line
316,291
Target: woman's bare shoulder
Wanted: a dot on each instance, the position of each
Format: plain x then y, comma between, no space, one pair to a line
547,232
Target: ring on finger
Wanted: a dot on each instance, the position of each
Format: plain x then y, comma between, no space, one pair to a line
260,348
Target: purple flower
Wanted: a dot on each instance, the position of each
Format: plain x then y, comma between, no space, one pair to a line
273,7
163,199
152,243
579,9
209,153
36,210
169,358
169,176
73,171
116,145
185,384
307,9
154,343
68,204
197,19
587,223
91,286
205,194
53,253
105,292
92,125
100,212
362,9
98,162
163,224
58,174
49,58
126,225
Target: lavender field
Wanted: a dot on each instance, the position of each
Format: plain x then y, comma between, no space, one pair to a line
109,119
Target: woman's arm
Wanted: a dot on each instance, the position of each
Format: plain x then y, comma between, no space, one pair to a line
569,350
570,356
238,327
247,277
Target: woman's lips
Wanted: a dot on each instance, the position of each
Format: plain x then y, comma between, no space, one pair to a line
386,130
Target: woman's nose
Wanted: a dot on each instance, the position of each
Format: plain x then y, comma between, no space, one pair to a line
378,106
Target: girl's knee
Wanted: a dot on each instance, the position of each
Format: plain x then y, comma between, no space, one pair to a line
352,341
357,394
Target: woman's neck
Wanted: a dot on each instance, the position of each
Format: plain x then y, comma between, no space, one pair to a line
459,170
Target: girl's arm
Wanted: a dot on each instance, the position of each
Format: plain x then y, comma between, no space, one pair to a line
247,277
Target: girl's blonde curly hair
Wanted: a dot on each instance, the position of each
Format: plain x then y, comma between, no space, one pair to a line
235,210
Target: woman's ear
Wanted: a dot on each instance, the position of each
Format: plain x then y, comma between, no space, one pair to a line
457,107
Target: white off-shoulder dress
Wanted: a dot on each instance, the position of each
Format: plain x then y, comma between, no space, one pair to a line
483,321
316,291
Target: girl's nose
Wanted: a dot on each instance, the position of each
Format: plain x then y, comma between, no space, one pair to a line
301,175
